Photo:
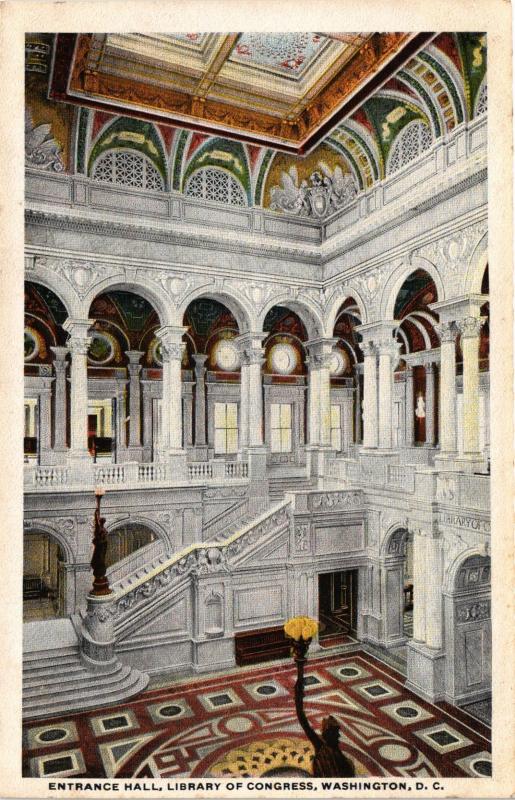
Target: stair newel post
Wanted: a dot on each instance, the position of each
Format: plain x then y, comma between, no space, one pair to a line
98,637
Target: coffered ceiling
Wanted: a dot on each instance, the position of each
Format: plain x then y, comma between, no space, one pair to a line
284,90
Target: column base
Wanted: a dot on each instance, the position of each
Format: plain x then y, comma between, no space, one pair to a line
200,452
134,453
426,671
317,457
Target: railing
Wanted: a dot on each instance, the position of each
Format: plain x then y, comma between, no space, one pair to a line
110,474
131,474
134,561
236,469
46,476
200,559
202,469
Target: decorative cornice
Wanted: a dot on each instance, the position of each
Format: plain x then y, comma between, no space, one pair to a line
185,239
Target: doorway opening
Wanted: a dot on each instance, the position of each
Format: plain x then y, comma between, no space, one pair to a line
44,578
337,607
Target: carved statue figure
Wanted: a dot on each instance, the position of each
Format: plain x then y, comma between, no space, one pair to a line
420,411
98,559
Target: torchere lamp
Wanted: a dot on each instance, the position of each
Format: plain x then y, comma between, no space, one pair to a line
98,560
329,761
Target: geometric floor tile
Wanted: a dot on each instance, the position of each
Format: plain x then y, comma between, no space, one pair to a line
479,765
197,727
112,723
115,754
443,738
214,701
349,672
407,712
45,735
376,690
264,690
63,764
170,710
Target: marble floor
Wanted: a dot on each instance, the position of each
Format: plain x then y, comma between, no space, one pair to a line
243,723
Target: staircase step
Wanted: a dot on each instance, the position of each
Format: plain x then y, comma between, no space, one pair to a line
76,682
33,674
96,694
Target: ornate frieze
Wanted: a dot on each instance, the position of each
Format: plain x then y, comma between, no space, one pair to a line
82,275
453,252
328,501
473,612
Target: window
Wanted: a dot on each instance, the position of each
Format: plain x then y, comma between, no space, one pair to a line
226,428
336,428
215,184
409,145
127,168
280,427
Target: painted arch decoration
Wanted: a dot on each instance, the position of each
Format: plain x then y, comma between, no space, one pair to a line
130,136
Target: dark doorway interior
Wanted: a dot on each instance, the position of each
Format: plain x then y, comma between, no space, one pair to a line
338,612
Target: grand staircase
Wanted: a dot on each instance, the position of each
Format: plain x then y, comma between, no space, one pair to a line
55,681
281,485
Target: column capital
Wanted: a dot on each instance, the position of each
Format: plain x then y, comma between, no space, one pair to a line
200,361
470,327
320,351
134,356
429,367
79,340
446,331
60,355
250,347
172,346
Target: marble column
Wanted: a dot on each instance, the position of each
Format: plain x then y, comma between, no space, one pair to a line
433,587
134,369
60,367
200,405
78,344
388,355
447,416
45,421
430,404
172,347
410,408
251,403
470,328
357,410
147,419
313,403
320,356
121,413
420,576
370,410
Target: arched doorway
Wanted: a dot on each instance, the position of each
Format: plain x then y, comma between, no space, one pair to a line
44,356
415,396
468,629
397,587
125,540
44,577
347,378
284,385
212,360
123,367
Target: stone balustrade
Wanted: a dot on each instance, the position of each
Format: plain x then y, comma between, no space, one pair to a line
197,559
130,474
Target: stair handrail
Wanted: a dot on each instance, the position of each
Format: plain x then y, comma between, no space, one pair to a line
150,550
201,558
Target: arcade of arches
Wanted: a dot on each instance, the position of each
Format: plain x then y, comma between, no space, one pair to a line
274,371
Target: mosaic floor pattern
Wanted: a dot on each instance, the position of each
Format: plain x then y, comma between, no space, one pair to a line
244,724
